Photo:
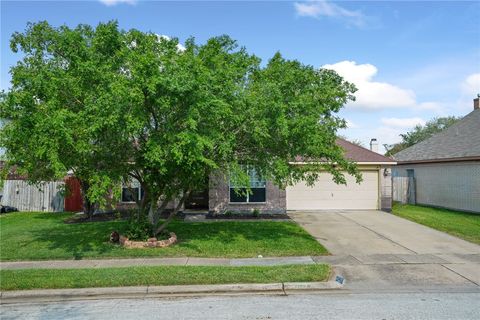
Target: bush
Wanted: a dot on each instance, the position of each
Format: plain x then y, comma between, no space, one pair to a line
139,230
256,213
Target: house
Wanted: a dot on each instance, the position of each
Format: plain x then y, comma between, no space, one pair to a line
373,193
219,196
444,170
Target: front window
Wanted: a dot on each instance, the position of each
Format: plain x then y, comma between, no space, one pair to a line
257,192
131,191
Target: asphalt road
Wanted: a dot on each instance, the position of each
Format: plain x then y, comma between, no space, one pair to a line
465,305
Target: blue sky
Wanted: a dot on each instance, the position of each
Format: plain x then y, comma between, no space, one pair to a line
411,61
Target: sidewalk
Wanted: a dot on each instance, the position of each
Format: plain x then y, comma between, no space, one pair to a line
347,260
137,262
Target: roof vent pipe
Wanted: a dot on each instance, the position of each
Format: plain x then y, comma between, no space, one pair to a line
374,145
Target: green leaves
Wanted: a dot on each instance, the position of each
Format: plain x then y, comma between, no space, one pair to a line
111,104
62,105
420,133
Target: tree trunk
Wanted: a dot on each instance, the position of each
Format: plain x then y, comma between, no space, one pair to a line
88,206
142,205
154,212
172,214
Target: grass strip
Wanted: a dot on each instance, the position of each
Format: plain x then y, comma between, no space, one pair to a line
159,275
457,223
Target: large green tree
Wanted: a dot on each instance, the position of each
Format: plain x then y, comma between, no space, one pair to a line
61,112
420,133
141,107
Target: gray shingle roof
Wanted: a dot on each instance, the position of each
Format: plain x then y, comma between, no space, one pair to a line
461,140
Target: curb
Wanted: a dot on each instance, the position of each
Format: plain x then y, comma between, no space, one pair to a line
298,287
54,295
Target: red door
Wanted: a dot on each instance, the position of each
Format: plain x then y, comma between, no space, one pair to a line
73,200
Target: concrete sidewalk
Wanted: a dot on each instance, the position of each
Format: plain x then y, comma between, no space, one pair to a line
347,260
351,260
139,262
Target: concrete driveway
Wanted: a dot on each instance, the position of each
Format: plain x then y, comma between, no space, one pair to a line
374,249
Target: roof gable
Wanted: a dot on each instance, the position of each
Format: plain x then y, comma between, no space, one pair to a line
360,154
356,153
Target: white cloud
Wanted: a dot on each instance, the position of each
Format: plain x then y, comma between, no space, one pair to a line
402,122
111,3
387,135
384,135
351,124
435,106
323,8
371,94
180,47
471,85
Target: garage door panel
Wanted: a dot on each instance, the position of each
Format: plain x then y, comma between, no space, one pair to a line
326,194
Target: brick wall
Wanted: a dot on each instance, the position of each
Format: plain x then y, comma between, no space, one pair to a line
219,198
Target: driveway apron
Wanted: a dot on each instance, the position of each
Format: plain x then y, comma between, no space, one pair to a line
377,250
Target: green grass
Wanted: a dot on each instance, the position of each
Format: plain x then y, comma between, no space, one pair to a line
460,224
42,236
162,275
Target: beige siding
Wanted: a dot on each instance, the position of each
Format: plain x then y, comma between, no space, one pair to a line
453,185
326,194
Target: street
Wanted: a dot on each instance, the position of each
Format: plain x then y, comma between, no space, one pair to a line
340,305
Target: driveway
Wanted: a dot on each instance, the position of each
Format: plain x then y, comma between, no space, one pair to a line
377,249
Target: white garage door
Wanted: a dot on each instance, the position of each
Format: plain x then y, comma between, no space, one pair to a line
325,194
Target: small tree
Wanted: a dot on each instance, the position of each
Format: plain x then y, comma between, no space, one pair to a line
420,133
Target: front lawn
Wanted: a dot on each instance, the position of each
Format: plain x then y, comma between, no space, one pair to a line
161,275
42,236
460,224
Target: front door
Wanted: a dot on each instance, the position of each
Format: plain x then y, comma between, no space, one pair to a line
197,200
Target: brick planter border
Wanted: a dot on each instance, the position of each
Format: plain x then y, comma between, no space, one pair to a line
150,243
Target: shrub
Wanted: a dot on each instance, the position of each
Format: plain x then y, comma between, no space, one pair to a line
118,215
139,230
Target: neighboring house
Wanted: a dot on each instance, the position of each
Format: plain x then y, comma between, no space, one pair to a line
444,170
219,196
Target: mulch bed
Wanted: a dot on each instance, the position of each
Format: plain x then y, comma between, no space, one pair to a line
247,216
110,216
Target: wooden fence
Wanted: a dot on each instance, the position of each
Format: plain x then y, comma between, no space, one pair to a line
404,189
26,197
